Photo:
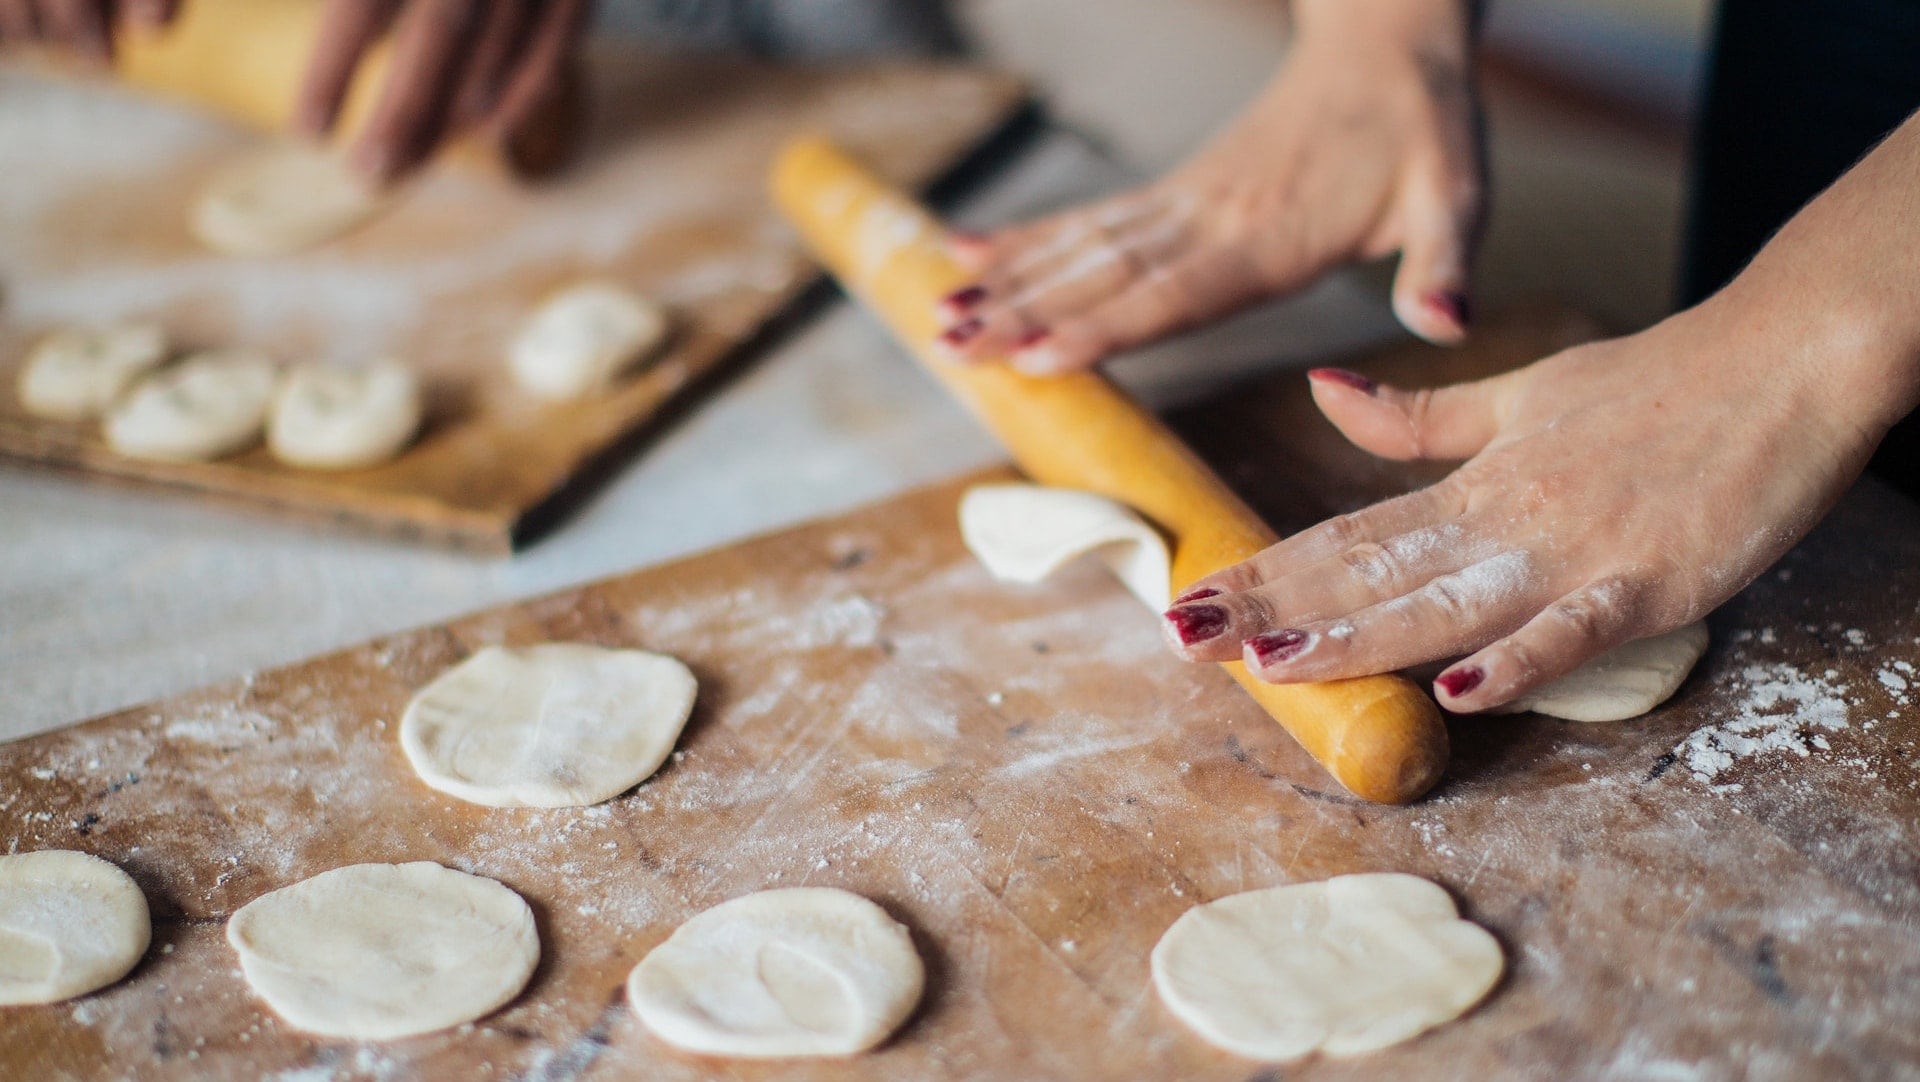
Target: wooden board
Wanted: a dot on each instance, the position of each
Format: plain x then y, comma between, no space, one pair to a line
668,198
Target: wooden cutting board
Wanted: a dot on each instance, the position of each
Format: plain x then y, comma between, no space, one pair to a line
667,198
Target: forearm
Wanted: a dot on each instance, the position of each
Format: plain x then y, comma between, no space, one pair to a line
1441,30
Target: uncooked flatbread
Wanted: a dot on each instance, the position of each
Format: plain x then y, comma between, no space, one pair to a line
1348,965
283,198
376,951
208,405
327,417
807,971
556,725
1023,533
70,923
75,375
584,337
1625,682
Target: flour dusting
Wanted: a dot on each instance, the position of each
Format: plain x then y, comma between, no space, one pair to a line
1784,711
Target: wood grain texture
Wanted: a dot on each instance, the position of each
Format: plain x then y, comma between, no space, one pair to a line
667,197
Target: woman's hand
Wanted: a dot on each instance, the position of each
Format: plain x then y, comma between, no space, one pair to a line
1365,144
83,27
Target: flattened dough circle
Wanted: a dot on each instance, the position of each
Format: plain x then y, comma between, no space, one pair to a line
583,337
377,951
76,375
1348,965
70,923
328,417
1625,682
283,198
807,971
209,405
1023,533
549,726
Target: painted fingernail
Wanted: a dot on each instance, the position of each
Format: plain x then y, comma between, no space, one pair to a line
961,333
1201,594
1454,306
1345,378
1032,338
966,236
1197,623
1277,645
965,298
1460,681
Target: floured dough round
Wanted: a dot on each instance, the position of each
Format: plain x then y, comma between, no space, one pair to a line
375,951
328,417
584,337
209,405
808,971
1347,965
1625,682
70,923
75,375
282,198
1023,533
555,725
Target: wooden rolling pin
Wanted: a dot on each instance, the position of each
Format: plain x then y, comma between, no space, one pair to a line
1380,736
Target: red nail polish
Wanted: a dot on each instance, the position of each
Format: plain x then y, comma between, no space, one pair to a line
967,236
1197,623
1277,645
1460,681
1201,594
966,298
1454,306
961,333
1032,338
1345,378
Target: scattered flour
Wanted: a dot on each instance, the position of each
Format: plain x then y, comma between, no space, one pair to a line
1784,710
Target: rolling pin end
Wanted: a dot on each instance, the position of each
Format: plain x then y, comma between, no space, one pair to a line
1393,756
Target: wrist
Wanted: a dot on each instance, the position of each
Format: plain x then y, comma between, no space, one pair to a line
1439,30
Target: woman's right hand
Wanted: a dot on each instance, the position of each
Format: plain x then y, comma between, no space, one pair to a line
83,27
1366,143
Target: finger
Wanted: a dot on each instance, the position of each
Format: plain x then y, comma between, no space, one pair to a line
998,258
502,37
348,28
1444,423
1440,220
1566,635
542,70
152,14
1451,615
431,43
17,26
80,25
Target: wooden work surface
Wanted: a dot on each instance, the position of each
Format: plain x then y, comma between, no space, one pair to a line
1029,780
667,197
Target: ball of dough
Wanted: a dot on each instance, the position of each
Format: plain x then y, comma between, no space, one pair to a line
1023,533
70,923
376,951
809,971
555,725
326,417
1348,965
280,199
75,375
1625,682
584,337
209,405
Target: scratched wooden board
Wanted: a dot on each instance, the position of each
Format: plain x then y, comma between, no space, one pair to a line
667,198
1027,779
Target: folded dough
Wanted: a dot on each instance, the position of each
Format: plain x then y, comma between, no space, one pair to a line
209,405
329,417
1023,533
280,199
1622,683
583,338
75,375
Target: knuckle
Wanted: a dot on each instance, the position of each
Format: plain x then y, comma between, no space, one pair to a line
1371,563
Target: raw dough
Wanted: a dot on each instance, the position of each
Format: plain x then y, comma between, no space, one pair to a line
1347,965
70,923
808,971
583,337
374,951
208,405
75,375
556,725
280,199
1023,533
327,417
1625,682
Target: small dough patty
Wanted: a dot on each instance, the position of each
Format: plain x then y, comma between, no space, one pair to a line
327,417
1625,682
209,405
1023,533
282,198
583,338
70,923
75,375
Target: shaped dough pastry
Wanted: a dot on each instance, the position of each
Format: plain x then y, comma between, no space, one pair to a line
209,405
283,198
583,338
70,923
75,375
1625,682
1023,533
327,417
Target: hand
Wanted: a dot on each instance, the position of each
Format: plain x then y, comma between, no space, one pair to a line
457,65
84,27
1366,143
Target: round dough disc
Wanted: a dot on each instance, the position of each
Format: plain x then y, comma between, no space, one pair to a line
376,951
1347,965
1023,533
326,417
584,337
1625,682
70,923
280,199
556,725
75,375
208,405
808,971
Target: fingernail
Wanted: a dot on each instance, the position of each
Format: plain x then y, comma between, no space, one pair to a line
1277,645
1454,306
1197,623
1460,681
1201,594
150,13
965,298
1345,378
966,236
961,333
1032,338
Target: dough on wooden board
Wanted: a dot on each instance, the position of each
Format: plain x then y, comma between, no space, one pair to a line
209,405
329,417
70,923
282,198
806,971
1348,965
76,375
584,337
1023,533
554,725
377,951
1625,682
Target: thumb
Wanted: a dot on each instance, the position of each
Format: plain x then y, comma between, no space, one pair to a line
1446,422
1440,219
